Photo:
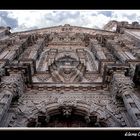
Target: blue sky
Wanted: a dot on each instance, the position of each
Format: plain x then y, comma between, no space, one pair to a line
21,20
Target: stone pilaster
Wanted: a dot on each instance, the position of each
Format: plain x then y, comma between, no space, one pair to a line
97,50
116,49
5,101
11,86
122,86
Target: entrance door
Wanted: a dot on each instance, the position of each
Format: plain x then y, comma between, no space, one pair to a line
63,121
72,121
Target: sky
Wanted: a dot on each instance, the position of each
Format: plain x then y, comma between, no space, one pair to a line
22,20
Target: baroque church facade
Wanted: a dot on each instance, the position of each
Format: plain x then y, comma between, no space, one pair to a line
70,76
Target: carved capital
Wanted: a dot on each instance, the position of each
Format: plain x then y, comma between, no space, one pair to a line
13,83
12,87
121,84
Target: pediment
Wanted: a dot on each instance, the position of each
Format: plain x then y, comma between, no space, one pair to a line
70,29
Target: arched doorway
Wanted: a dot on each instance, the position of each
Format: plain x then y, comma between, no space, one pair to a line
65,116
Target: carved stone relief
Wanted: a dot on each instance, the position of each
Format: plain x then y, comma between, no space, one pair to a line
70,72
30,108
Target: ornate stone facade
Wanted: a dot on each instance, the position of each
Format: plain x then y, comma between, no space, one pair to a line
69,76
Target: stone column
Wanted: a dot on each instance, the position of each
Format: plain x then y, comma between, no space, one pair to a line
122,86
11,87
5,101
116,49
97,50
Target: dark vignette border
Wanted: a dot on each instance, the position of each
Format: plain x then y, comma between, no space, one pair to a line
70,4
69,134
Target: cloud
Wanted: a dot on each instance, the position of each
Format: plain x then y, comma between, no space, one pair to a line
21,20
23,27
130,17
106,13
6,20
62,15
126,15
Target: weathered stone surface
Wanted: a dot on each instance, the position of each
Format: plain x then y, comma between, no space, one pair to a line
68,76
